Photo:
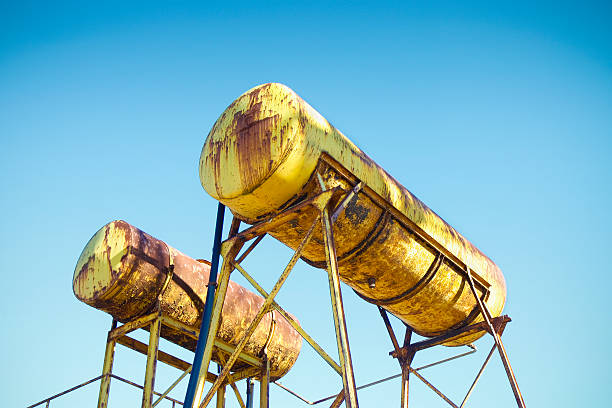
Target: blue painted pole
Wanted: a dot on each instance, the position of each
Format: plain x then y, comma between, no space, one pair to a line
249,392
207,315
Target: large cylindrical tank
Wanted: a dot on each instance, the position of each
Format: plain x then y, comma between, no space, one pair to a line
123,271
263,155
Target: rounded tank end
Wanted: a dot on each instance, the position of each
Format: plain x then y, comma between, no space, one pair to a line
250,140
97,269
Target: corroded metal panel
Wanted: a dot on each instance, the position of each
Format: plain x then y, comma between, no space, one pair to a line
123,271
263,155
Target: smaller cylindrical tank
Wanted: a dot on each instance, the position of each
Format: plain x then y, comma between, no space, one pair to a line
123,271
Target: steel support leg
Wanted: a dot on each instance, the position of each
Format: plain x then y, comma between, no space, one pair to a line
405,366
107,370
500,346
221,397
231,382
291,321
477,377
249,392
214,323
197,379
338,400
264,308
405,386
348,377
149,383
264,385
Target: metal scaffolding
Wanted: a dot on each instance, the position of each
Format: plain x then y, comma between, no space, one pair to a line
324,216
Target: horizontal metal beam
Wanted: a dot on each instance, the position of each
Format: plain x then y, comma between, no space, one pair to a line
370,384
220,344
285,216
476,327
242,356
435,246
142,388
76,387
131,326
161,356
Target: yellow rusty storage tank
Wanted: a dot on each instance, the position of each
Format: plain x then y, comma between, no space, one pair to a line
123,271
263,155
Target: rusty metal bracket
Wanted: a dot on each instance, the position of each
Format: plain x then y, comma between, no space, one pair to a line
169,273
494,326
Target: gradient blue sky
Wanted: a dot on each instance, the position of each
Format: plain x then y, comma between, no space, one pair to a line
498,116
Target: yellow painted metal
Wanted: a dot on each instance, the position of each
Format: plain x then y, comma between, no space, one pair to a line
264,385
232,382
405,386
149,383
125,272
261,157
348,376
220,294
221,397
263,310
107,369
218,343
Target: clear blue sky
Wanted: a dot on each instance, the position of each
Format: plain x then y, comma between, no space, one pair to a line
499,117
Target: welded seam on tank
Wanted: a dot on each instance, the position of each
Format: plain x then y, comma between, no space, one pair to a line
169,270
414,230
408,294
473,315
451,263
465,322
361,247
264,350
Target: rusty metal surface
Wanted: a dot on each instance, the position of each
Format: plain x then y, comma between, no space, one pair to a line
123,271
262,156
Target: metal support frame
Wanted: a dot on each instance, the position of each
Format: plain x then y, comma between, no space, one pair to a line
339,398
498,342
348,377
264,385
405,354
249,392
154,333
155,321
324,216
196,381
107,369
